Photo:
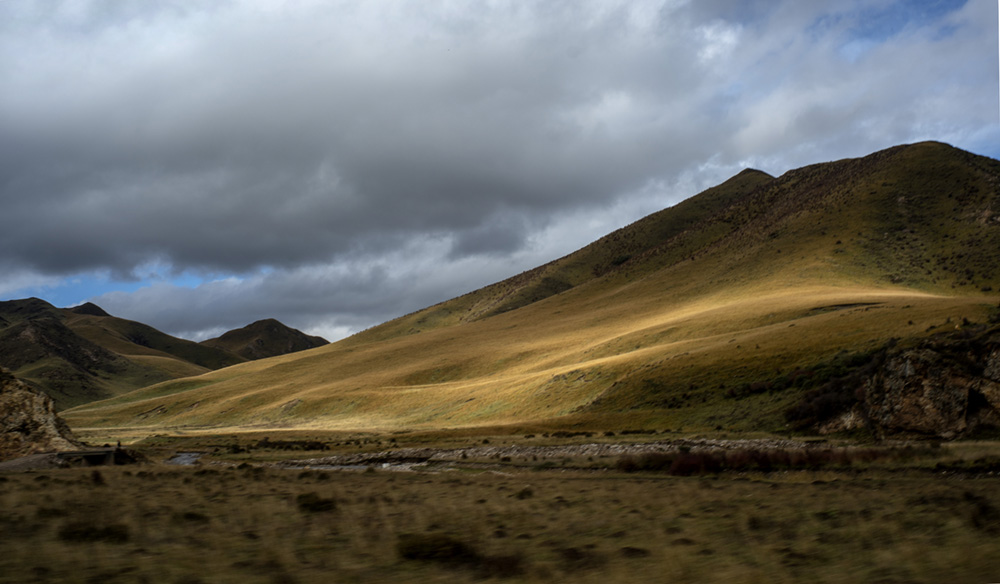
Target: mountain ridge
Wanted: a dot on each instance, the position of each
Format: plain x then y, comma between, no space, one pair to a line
80,354
658,324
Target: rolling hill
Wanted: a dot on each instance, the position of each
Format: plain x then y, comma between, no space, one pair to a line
722,312
82,354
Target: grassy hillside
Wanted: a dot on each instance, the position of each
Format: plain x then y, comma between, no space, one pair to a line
83,354
664,323
134,339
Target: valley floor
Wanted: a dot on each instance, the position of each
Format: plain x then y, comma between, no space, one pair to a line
581,516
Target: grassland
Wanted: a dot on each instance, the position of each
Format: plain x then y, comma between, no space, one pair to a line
643,365
655,325
700,321
930,518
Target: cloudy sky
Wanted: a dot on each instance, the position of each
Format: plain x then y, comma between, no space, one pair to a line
334,164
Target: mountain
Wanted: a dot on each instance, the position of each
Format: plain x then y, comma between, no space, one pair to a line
727,311
81,354
264,338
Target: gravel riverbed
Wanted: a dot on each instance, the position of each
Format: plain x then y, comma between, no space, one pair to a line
412,456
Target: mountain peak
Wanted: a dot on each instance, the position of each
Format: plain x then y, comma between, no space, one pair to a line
90,309
752,172
265,338
27,308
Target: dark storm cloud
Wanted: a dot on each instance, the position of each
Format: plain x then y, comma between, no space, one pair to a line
331,300
330,137
245,140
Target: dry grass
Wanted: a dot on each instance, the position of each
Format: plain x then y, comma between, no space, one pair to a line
520,367
654,322
156,523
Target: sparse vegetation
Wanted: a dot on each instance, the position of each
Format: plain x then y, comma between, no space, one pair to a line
927,518
834,389
707,462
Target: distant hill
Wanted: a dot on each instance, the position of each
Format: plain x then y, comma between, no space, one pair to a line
81,354
724,312
264,338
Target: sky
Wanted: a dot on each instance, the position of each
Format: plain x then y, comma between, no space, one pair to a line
197,166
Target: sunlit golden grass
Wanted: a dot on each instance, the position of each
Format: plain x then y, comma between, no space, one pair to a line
168,365
561,357
156,523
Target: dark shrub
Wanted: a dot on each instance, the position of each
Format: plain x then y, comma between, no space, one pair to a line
634,552
435,547
191,517
82,532
627,464
621,259
525,493
500,566
738,459
656,461
984,515
687,464
650,461
574,558
835,386
313,503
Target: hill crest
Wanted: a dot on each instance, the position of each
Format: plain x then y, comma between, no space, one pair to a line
264,338
662,323
81,354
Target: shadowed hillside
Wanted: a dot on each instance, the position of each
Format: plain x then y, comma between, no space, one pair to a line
264,338
82,354
677,320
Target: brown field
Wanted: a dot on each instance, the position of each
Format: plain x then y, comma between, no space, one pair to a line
611,361
931,517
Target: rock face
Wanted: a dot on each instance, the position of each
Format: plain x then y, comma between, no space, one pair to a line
925,391
28,422
944,387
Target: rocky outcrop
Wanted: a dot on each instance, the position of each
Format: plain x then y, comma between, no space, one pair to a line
945,387
28,422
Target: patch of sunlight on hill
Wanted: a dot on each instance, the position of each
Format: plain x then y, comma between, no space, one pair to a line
655,323
520,368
